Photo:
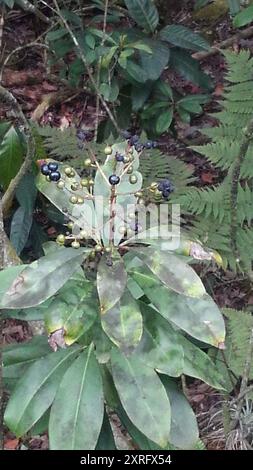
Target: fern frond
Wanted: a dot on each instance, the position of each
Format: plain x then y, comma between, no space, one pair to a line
239,326
155,165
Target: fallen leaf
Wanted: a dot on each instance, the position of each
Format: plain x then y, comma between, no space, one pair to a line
207,177
11,444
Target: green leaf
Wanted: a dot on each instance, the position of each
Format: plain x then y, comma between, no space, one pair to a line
144,12
199,365
41,279
41,426
184,428
136,71
172,271
189,68
199,317
18,357
142,396
155,63
11,155
183,37
83,215
36,390
244,17
111,282
26,193
20,228
8,276
164,121
29,314
9,3
139,95
74,309
77,413
106,439
123,323
192,103
159,347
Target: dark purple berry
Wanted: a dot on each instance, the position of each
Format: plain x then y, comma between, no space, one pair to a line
81,135
114,179
149,144
126,135
55,176
166,194
119,158
53,166
44,169
138,147
134,139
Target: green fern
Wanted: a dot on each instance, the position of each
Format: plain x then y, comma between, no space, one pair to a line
239,326
155,165
211,207
64,145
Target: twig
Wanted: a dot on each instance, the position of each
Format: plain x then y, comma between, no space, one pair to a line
247,33
20,48
27,6
99,70
5,95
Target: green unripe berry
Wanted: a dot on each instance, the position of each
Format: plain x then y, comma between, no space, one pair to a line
108,150
60,239
60,184
130,151
87,162
68,170
75,186
157,193
83,234
80,200
141,202
98,248
126,159
122,229
72,174
75,244
70,225
130,170
73,200
131,215
92,254
133,179
91,182
139,194
84,183
48,178
153,185
108,249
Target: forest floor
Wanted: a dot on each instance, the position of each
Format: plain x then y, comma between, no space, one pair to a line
46,101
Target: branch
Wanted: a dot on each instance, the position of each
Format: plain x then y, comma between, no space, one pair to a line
99,70
8,97
247,33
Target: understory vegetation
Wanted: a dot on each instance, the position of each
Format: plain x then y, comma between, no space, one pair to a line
126,232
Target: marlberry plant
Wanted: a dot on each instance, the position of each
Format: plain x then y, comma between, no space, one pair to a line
125,314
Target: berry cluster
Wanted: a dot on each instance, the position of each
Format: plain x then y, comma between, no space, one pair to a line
51,171
134,141
165,187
